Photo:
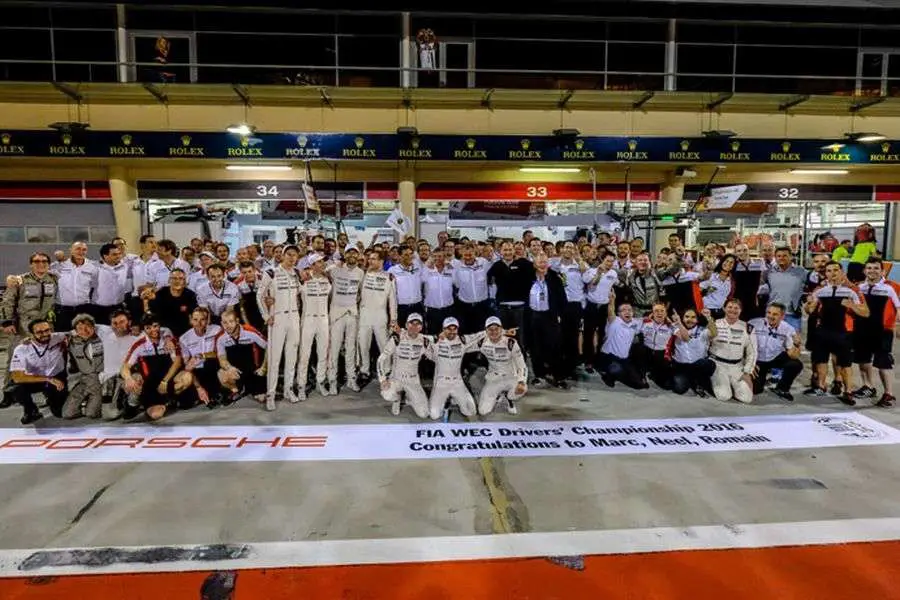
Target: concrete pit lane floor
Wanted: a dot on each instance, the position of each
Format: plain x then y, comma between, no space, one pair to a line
746,524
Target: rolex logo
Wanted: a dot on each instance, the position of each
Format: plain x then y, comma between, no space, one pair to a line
785,146
359,141
6,138
126,139
67,138
735,146
579,144
834,147
632,145
470,143
526,144
414,143
685,145
885,147
245,141
302,140
185,140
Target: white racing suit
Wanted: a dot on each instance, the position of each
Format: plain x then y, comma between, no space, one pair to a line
398,364
315,293
734,352
506,370
344,321
377,303
448,382
284,333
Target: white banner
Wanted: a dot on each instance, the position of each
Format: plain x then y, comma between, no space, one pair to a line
439,440
723,197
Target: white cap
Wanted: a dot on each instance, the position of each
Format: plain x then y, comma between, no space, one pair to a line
493,321
209,254
314,257
414,317
350,247
450,321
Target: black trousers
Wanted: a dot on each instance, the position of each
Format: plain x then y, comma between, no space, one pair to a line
653,364
790,370
55,398
624,370
434,319
573,313
688,376
514,317
404,310
472,316
545,336
65,314
102,314
595,318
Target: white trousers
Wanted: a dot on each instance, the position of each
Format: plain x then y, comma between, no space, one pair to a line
284,340
370,323
415,395
493,387
314,329
450,388
343,334
727,383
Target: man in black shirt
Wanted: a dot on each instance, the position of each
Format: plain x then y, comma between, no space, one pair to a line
172,305
513,278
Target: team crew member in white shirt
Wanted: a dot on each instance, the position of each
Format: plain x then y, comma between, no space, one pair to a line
733,349
656,331
141,274
437,283
408,282
278,298
571,270
346,280
315,292
168,261
39,365
117,341
377,310
599,281
448,353
152,370
777,347
242,361
471,281
111,285
718,287
198,278
398,367
77,277
616,351
198,350
217,294
506,374
691,367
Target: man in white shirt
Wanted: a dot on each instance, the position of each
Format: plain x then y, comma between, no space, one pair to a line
777,347
217,294
599,281
141,274
77,276
438,291
117,341
168,261
39,365
615,353
655,333
111,285
198,350
408,282
471,281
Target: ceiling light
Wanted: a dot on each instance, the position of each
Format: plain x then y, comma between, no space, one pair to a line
258,167
819,171
719,133
241,129
549,170
865,137
566,132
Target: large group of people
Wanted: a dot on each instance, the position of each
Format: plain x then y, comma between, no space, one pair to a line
170,328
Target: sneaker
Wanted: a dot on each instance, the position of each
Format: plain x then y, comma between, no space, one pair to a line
351,385
322,389
511,407
31,417
782,394
837,388
847,399
332,387
395,408
887,401
291,396
270,402
815,391
301,394
864,392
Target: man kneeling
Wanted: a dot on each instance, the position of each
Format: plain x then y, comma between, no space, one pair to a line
242,358
507,373
152,372
398,367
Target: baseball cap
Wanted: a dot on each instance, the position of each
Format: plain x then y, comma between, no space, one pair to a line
349,248
414,317
209,254
493,321
450,321
314,258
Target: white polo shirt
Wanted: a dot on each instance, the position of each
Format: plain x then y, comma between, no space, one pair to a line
218,301
196,344
408,283
771,341
620,336
656,335
599,293
692,349
42,360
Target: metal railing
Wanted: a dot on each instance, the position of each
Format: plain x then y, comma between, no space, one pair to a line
500,61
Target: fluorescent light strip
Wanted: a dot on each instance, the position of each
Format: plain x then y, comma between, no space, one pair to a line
258,168
819,171
549,170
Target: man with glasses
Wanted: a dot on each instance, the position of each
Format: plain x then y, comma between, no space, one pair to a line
39,365
28,297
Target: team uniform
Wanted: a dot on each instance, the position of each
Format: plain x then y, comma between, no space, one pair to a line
315,293
218,301
652,360
733,349
377,304
246,353
873,336
691,366
835,325
86,362
398,364
344,319
282,285
772,347
44,360
201,345
152,361
506,370
448,382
